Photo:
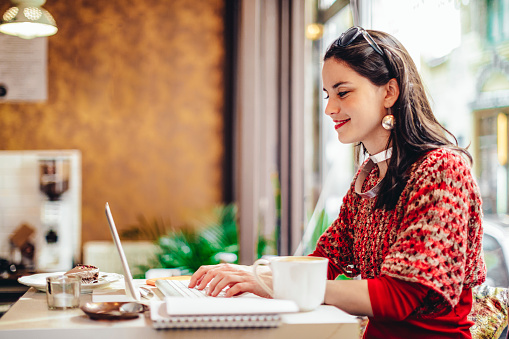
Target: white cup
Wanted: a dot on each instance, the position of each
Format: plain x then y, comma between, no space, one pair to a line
301,279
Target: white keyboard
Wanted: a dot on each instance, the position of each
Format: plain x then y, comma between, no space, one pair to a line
179,288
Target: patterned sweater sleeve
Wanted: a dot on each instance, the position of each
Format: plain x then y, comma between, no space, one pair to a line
337,242
440,227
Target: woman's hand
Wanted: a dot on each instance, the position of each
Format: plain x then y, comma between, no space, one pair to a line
237,278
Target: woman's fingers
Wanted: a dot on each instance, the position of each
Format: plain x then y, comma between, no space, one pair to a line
239,288
222,280
205,274
218,277
215,274
238,283
198,276
247,286
226,279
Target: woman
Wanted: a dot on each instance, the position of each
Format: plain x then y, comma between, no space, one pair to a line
410,225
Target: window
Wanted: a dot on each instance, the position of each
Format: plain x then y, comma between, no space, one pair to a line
498,20
329,164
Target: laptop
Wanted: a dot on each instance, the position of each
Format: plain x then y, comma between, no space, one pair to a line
179,289
131,291
167,287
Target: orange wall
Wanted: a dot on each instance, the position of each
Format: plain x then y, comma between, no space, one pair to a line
137,86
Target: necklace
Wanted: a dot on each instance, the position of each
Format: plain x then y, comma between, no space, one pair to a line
373,159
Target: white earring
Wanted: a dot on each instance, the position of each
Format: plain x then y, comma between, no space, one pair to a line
388,121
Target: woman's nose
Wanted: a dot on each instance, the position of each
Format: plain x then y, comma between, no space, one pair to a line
331,107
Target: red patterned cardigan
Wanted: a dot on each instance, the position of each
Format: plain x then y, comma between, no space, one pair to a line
432,237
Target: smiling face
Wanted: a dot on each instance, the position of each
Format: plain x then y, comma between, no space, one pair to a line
355,105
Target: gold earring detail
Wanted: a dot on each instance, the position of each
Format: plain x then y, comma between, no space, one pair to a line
388,122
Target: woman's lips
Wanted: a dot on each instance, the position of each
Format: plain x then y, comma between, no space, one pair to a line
339,123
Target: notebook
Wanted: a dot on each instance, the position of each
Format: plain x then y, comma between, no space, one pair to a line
239,312
131,291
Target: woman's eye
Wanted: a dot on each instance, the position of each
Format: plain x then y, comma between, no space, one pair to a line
326,97
342,94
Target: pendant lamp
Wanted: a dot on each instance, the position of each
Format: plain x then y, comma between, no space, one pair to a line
27,20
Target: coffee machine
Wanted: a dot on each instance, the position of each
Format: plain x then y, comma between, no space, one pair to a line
55,250
40,209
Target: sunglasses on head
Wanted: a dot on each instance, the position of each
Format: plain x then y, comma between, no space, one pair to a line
352,33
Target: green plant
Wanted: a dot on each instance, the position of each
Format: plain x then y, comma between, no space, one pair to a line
265,245
276,185
190,247
322,223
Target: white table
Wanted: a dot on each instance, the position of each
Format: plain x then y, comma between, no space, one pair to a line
29,317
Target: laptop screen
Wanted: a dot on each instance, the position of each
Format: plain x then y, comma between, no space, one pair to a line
130,290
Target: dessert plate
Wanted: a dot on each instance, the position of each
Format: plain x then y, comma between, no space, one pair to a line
39,281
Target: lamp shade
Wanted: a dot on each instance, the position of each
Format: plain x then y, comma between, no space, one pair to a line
28,20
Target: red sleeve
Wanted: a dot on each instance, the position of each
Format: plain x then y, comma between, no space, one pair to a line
394,299
333,271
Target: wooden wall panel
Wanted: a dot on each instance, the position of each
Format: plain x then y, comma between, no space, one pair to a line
137,86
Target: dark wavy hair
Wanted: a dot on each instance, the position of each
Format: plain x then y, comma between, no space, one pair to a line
417,131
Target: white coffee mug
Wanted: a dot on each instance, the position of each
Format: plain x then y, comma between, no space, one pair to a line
301,279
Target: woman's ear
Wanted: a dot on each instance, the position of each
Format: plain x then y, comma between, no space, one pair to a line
392,93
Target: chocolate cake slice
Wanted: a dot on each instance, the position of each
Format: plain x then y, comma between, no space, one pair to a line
87,273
